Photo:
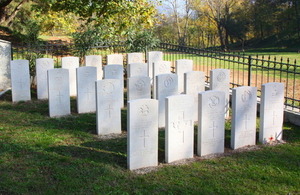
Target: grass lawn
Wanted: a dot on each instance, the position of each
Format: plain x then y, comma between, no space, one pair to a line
43,155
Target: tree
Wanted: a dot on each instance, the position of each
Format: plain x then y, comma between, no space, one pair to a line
9,9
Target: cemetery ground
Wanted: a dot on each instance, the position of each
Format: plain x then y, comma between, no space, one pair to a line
43,155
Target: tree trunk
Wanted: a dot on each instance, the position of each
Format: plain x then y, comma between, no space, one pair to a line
7,18
220,32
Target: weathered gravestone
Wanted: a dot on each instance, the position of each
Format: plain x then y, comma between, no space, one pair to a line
182,66
153,56
108,106
114,59
42,66
271,112
211,128
137,69
20,80
138,87
219,81
71,63
160,67
243,122
194,83
86,95
95,61
59,92
135,58
116,72
167,85
5,58
179,143
142,139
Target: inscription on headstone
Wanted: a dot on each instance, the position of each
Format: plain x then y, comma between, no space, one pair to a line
271,112
71,63
59,94
108,106
20,80
5,58
211,127
42,66
142,139
86,95
243,122
179,128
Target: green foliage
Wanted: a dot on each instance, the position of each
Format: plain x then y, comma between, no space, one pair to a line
141,41
85,39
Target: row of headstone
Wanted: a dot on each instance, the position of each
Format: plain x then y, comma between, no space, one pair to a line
142,147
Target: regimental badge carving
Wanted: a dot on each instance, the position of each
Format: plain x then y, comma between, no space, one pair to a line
213,101
140,85
163,68
221,76
246,96
144,110
108,88
168,81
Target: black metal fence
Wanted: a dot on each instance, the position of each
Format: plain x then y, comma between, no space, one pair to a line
246,70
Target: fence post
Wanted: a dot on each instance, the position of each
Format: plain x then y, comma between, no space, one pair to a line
249,70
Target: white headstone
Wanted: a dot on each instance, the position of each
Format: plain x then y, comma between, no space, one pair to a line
86,90
108,106
219,81
20,80
135,58
42,66
194,83
5,58
179,143
116,72
138,87
137,69
96,61
71,63
243,122
182,66
59,92
271,112
114,59
153,56
167,85
160,67
211,128
142,127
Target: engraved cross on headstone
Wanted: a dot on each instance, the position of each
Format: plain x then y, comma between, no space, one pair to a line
144,136
213,127
59,97
274,117
246,119
109,109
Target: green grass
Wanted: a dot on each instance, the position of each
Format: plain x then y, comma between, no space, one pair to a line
43,155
